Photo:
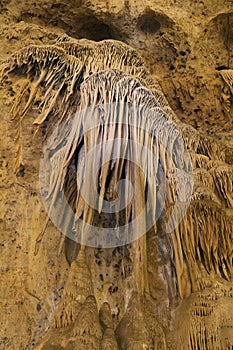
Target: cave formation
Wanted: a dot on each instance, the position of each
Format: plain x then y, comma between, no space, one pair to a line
162,281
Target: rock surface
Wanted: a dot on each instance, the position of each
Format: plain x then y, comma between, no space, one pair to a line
55,295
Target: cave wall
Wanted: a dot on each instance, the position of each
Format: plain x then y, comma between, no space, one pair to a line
185,46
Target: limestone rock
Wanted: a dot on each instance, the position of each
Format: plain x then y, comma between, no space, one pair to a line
172,289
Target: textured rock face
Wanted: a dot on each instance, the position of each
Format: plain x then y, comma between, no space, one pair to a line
166,290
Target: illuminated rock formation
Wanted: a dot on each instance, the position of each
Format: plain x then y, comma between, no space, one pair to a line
96,145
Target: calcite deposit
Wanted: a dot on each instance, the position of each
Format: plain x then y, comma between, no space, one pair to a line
116,175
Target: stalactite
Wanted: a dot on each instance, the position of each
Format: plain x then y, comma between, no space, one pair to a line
204,236
92,93
227,76
223,180
210,148
205,329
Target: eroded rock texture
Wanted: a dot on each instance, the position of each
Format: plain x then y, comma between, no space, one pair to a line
170,288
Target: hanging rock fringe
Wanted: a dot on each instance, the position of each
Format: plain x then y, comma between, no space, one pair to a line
227,76
73,78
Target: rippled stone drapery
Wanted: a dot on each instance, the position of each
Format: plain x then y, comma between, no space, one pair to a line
58,80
